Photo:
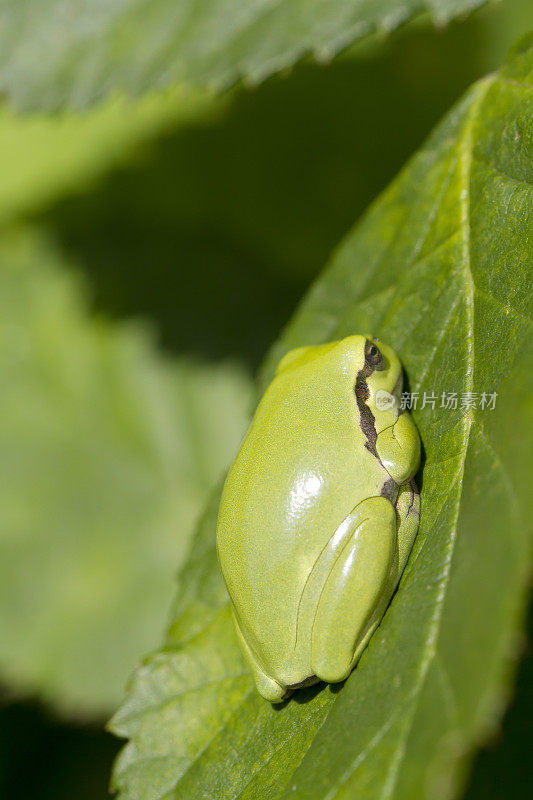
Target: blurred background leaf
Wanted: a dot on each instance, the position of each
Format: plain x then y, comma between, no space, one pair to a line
440,267
106,453
54,55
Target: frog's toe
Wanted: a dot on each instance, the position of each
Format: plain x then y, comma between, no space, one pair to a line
332,672
270,689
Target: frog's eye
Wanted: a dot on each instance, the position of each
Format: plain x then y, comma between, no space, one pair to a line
373,355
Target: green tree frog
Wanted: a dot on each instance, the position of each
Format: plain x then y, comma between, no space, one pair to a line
319,512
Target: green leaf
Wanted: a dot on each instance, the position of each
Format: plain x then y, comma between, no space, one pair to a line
107,452
440,268
51,56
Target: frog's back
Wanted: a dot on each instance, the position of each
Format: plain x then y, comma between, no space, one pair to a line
298,474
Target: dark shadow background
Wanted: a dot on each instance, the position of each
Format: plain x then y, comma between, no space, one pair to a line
215,233
217,230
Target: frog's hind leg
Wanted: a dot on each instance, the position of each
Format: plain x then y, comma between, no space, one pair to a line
353,588
266,686
407,520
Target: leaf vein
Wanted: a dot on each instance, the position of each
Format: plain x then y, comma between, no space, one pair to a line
431,647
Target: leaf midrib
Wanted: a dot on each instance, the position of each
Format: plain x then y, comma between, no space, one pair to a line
431,647
464,146
464,143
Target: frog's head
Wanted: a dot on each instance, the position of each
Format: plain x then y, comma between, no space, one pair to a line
379,375
363,363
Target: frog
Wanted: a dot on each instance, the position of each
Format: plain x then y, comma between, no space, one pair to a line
319,512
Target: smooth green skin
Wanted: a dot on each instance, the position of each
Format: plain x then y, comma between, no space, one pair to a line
318,514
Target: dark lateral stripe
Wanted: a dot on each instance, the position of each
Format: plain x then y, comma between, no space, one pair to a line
365,415
389,490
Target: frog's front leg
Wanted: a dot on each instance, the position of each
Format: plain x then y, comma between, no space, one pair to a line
353,587
398,448
408,510
266,686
